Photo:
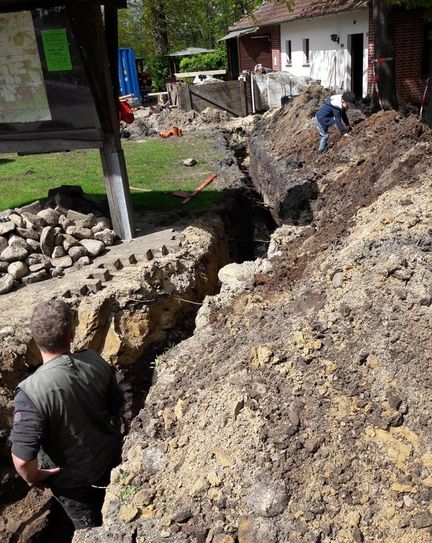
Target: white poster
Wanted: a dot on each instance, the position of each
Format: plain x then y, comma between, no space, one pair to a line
23,96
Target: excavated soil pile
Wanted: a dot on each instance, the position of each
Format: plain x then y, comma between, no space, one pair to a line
300,409
211,118
381,151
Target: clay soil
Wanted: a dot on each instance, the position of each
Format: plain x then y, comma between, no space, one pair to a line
299,411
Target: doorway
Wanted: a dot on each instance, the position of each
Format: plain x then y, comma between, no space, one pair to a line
356,51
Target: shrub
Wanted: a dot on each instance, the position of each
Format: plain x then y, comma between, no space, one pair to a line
204,62
159,72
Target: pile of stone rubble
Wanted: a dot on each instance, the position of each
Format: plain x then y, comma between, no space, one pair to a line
36,243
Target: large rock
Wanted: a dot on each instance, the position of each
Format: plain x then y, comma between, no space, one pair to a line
3,243
17,220
36,258
18,269
11,254
82,233
47,240
107,236
58,252
87,222
28,233
32,208
50,216
17,241
33,221
94,246
35,277
62,262
77,252
34,245
6,283
6,227
69,241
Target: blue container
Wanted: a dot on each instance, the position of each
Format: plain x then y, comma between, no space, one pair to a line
128,74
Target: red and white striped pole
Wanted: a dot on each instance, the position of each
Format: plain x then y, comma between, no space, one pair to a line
375,77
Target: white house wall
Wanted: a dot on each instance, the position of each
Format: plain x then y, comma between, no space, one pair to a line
330,62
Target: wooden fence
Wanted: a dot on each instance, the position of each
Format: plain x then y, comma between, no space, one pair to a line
231,96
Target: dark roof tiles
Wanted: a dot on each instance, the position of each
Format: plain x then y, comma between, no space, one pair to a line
276,12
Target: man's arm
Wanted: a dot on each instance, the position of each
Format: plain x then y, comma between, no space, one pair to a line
338,117
30,472
26,437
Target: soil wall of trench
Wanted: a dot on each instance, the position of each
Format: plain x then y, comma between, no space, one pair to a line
300,408
146,306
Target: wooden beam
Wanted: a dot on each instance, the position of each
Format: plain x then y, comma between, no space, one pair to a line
183,75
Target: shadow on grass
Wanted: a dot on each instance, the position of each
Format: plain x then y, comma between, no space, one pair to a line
156,201
6,160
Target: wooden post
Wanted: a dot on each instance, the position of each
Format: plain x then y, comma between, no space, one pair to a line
99,61
243,98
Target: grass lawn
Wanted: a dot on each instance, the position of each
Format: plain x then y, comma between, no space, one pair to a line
155,167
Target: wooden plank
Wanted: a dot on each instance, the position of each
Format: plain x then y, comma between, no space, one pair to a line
184,75
243,101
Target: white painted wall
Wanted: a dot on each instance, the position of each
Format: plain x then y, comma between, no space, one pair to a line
330,62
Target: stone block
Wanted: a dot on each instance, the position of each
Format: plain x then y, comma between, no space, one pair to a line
79,291
129,260
115,266
103,275
94,286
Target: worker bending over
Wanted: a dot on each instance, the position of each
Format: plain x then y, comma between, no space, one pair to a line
333,112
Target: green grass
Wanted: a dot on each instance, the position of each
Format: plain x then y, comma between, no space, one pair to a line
155,167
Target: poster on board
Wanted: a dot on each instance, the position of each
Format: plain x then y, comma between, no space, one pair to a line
23,96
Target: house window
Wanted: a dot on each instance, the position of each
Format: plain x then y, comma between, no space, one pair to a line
306,52
288,51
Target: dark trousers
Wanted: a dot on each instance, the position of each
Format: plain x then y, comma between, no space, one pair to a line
73,509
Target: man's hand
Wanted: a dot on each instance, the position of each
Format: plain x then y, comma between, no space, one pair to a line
29,471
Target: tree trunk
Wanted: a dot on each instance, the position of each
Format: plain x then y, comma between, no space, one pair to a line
160,30
384,49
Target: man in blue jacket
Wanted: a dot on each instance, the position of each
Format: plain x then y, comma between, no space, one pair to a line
333,112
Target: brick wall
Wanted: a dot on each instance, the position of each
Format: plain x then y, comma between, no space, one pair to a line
276,48
408,40
254,50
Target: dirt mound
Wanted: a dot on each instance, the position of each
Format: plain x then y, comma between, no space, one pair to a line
150,125
300,409
296,182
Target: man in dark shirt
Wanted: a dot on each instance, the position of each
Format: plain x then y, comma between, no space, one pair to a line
333,112
62,436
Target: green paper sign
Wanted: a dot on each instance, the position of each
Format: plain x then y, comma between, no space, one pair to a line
56,49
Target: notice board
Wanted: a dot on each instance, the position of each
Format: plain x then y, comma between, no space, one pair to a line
45,100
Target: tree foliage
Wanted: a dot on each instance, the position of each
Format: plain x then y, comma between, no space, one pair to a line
155,27
206,61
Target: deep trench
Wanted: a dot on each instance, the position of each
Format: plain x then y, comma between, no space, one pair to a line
249,225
